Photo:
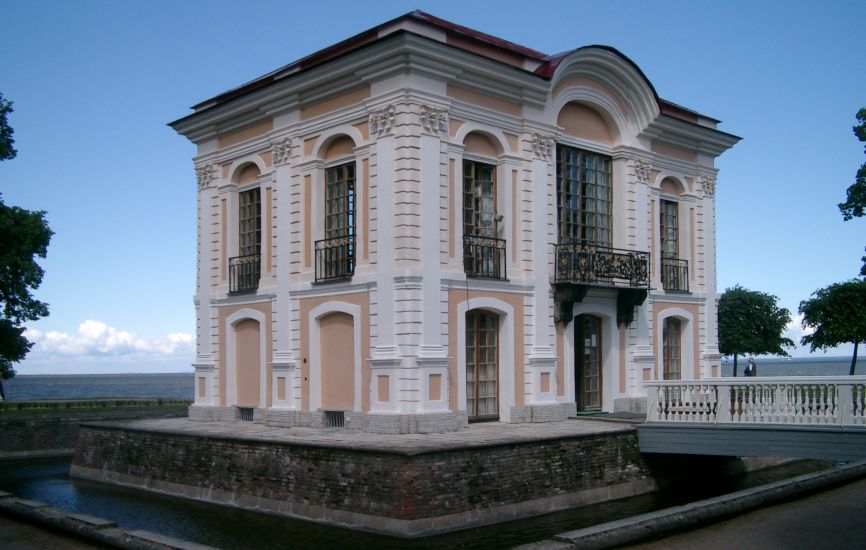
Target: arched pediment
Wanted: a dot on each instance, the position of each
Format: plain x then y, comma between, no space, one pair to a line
609,82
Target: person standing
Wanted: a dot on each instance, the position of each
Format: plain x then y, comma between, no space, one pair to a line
751,369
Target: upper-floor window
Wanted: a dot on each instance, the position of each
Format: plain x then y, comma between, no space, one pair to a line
479,199
335,254
583,189
669,229
245,268
483,251
250,222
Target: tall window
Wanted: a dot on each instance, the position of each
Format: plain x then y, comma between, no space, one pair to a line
335,254
669,229
583,188
250,222
482,365
340,201
672,348
479,199
245,269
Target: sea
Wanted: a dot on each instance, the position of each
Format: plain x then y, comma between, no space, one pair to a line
180,385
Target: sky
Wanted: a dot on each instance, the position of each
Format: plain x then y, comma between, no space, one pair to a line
94,83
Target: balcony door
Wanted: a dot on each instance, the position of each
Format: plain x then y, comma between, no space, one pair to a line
588,362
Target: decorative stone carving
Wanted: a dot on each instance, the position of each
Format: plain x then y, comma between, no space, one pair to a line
708,184
643,170
281,151
382,121
205,174
433,120
542,146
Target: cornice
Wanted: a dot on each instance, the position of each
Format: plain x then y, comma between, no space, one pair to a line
397,53
689,136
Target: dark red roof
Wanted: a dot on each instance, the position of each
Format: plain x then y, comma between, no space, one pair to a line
548,66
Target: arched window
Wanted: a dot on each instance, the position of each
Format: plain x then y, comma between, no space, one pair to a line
335,254
245,268
674,268
483,250
672,349
482,365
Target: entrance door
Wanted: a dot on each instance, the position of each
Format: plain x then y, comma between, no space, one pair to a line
587,374
482,365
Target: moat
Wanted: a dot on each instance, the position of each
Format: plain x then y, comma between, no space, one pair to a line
47,480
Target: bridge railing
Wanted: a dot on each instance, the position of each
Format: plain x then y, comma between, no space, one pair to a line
823,400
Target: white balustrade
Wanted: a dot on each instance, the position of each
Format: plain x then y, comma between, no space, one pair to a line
818,400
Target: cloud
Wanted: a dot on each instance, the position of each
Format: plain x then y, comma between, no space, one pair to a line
794,329
95,338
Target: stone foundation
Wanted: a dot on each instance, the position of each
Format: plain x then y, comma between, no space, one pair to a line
408,490
635,405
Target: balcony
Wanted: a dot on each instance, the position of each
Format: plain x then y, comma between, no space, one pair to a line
484,257
597,265
335,259
675,275
244,274
581,265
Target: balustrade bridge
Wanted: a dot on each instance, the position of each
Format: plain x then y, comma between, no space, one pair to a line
802,417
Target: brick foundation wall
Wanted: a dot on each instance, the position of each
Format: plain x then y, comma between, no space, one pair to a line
32,434
396,492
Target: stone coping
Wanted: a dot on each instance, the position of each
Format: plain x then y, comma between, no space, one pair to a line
91,528
694,514
486,434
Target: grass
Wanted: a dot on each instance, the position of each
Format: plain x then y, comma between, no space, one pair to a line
65,407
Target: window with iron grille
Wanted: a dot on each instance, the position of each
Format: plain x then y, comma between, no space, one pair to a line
335,254
479,199
583,189
250,222
669,229
340,201
672,348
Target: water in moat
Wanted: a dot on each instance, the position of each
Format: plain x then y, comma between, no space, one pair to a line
47,480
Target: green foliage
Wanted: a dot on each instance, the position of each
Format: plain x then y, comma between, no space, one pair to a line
24,235
856,203
751,322
838,314
7,151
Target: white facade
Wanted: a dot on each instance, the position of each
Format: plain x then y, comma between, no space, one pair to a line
381,235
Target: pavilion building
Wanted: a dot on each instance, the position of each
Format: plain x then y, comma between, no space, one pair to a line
424,226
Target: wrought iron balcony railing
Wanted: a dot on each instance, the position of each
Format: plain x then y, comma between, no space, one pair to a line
675,274
335,259
484,257
594,264
244,273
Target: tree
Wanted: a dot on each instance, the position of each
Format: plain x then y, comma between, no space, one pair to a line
751,322
838,315
24,235
7,151
855,204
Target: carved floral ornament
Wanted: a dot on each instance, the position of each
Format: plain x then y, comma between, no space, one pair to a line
643,170
205,174
382,121
542,146
708,184
433,120
281,151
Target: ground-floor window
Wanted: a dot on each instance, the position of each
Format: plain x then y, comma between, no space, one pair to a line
672,349
482,365
588,362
